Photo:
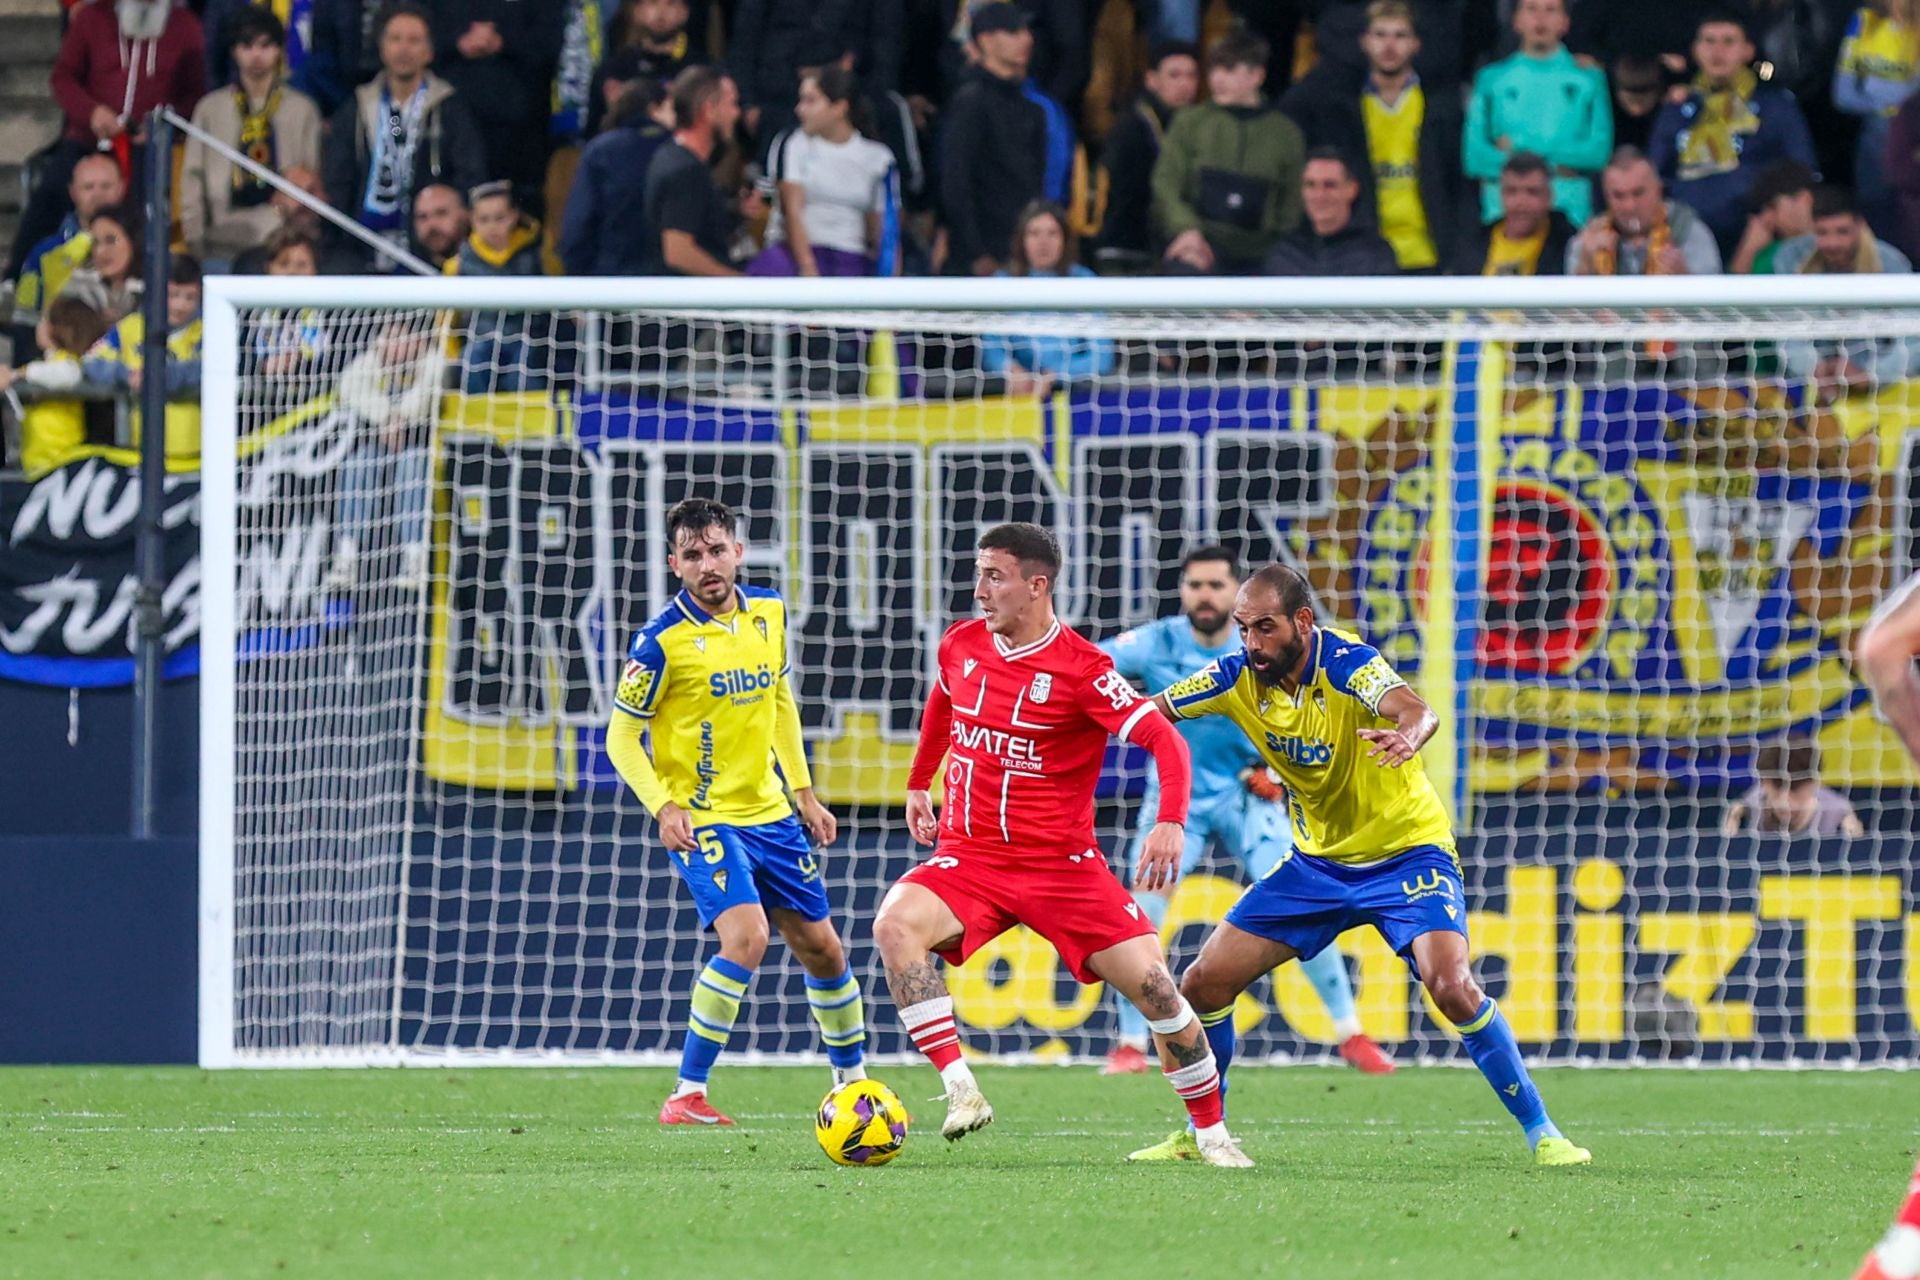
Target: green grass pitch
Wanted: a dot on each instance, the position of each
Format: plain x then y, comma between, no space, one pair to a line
472,1174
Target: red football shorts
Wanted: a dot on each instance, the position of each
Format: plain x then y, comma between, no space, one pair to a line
1072,900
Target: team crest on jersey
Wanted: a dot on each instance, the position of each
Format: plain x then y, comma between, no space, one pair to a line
760,625
636,682
966,668
1320,700
1042,688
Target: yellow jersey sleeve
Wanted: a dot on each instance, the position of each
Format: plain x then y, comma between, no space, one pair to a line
1208,691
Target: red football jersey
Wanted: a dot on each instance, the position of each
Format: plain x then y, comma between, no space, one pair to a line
1028,733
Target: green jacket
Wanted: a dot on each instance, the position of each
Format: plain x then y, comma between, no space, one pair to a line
1552,106
1251,142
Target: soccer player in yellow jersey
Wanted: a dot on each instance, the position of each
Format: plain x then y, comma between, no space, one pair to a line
1372,844
706,682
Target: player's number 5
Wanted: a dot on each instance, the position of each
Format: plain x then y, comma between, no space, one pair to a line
710,846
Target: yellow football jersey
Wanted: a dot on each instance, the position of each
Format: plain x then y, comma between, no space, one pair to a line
711,690
1345,807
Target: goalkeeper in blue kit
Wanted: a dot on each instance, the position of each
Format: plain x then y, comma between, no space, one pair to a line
1235,803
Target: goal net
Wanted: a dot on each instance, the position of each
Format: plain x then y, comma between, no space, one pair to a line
1622,540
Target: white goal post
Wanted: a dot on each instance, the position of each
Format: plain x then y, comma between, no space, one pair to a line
1620,533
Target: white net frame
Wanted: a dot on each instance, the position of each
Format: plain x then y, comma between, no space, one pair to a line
342,923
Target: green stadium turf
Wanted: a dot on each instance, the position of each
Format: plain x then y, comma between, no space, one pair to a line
469,1174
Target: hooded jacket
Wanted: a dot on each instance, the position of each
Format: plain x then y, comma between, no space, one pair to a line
451,151
98,66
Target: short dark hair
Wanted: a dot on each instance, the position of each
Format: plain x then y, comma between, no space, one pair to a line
1523,164
401,9
1784,177
75,324
254,23
1240,47
1334,154
1833,202
691,90
1723,15
1789,761
184,268
1035,547
1208,554
697,515
1160,50
1287,583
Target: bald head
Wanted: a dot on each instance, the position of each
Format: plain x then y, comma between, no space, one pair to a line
1289,590
1275,616
96,183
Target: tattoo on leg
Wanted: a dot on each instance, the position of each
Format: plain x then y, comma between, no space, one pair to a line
915,984
1157,998
1185,1055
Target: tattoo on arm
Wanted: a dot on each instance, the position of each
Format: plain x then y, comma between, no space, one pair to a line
915,984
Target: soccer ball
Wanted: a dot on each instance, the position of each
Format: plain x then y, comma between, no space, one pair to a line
861,1123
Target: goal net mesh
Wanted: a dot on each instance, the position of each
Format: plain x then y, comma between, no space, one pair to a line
1623,553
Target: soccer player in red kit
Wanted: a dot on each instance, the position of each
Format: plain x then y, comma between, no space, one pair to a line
1886,653
1021,709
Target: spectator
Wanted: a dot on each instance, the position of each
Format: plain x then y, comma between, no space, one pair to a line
1641,232
399,132
117,62
1782,207
1544,101
688,226
605,229
1710,145
345,52
297,215
993,159
1638,82
583,47
1799,43
393,393
283,349
503,351
773,40
836,190
1409,138
441,221
1172,82
1878,69
311,25
1227,184
1787,797
224,209
117,361
1340,26
292,251
1033,363
1531,236
109,281
1901,164
500,56
1843,244
1059,55
51,429
96,183
1333,242
657,49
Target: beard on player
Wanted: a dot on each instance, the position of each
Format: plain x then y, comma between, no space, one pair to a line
1274,656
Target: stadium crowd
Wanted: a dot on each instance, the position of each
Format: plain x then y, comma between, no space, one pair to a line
972,137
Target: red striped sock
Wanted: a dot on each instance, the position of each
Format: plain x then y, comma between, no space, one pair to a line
1199,1087
931,1027
1910,1211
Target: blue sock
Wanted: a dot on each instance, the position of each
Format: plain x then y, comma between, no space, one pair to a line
1219,1028
1327,972
717,994
1133,1023
1491,1045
